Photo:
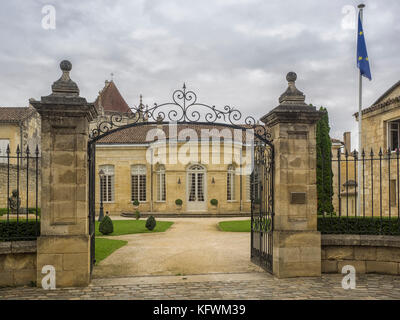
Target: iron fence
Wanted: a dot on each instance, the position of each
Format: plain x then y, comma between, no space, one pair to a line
19,194
364,192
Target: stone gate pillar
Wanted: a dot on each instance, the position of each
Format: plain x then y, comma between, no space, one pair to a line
64,239
296,241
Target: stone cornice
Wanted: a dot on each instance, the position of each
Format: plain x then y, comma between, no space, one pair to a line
292,114
378,106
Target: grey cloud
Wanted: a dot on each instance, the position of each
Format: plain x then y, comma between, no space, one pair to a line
232,52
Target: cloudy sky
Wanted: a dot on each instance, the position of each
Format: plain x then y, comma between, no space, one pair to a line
230,52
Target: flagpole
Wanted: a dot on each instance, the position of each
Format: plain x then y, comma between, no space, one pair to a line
361,7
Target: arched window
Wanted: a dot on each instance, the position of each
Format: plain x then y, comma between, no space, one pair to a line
230,183
107,183
138,174
161,194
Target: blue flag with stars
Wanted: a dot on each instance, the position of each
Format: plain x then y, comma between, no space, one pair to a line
362,55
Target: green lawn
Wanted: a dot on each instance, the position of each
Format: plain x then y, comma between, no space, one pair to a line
235,226
104,247
122,227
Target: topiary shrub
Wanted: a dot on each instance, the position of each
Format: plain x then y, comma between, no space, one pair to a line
151,223
136,203
178,202
106,226
214,202
137,214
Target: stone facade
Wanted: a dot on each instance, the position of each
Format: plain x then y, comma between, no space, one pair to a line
381,185
348,169
177,179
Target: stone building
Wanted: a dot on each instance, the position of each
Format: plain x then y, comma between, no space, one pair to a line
140,168
380,142
19,129
345,187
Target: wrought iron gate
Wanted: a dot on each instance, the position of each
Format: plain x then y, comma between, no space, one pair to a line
262,205
185,110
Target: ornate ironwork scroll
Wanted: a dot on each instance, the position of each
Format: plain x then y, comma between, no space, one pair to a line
184,108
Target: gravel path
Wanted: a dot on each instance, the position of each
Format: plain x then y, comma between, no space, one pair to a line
190,246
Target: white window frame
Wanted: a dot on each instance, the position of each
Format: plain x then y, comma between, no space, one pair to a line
389,133
108,187
139,170
199,188
160,184
230,183
4,143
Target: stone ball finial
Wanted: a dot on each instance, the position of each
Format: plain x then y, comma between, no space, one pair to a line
65,65
291,76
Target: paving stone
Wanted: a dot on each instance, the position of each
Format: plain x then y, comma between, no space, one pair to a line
328,286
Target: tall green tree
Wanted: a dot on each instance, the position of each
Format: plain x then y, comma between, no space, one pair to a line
324,165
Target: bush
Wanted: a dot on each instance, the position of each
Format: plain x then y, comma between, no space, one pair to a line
178,202
137,214
214,202
151,223
106,226
359,225
22,230
136,203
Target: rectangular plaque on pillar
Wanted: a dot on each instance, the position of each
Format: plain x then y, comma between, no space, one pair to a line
297,197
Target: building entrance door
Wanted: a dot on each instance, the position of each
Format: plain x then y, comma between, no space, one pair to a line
196,188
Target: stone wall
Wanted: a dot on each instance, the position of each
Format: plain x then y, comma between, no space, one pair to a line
367,253
17,263
22,183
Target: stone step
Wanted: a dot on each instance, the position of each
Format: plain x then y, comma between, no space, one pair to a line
187,215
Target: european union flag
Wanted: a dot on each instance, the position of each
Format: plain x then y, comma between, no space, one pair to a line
362,55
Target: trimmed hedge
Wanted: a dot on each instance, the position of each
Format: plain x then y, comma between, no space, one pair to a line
106,226
19,231
359,225
151,223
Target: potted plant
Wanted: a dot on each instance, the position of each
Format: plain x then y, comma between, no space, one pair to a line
178,203
137,214
135,204
214,203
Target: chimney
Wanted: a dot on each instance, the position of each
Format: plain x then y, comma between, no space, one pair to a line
347,141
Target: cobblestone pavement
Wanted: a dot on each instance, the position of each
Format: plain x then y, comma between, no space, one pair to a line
219,286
